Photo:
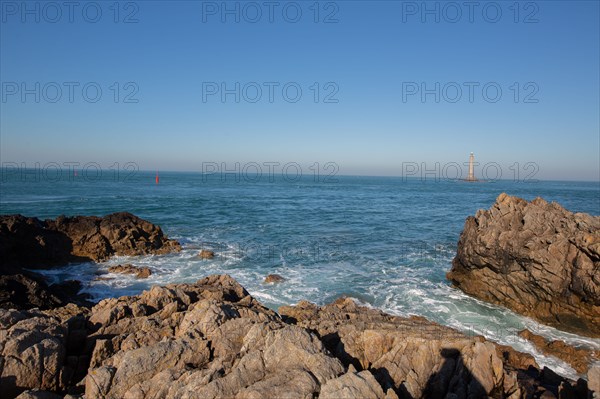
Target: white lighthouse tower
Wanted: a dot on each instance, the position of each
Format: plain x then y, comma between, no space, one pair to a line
471,176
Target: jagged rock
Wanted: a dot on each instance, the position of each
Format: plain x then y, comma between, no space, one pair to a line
35,244
535,258
206,254
32,243
409,355
578,358
139,272
274,278
413,357
33,349
211,339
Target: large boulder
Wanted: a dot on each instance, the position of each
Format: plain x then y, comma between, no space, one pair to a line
535,258
35,244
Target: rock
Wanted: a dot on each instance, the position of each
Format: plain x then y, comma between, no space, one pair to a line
35,244
212,339
352,385
515,359
37,394
594,379
409,356
32,243
579,359
535,258
139,272
274,278
20,291
33,349
206,254
26,291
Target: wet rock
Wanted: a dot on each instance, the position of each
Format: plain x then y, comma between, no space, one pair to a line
274,278
579,359
535,258
139,272
206,254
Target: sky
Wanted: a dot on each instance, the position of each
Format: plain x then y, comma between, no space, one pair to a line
371,86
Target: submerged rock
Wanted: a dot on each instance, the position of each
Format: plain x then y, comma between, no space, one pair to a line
535,258
206,254
274,278
580,359
139,272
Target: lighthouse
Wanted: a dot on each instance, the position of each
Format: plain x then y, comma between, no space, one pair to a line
471,176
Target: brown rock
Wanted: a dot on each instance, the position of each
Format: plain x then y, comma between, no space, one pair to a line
352,385
206,254
579,359
594,380
409,356
32,243
274,278
139,272
211,339
33,350
535,258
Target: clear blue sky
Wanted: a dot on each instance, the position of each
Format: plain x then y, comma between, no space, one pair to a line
373,54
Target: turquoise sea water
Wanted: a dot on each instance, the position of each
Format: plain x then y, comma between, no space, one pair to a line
384,241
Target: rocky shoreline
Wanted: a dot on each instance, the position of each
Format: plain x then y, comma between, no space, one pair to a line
29,243
212,339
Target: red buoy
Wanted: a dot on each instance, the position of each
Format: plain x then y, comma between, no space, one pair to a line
157,177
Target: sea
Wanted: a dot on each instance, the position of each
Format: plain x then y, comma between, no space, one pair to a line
387,242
